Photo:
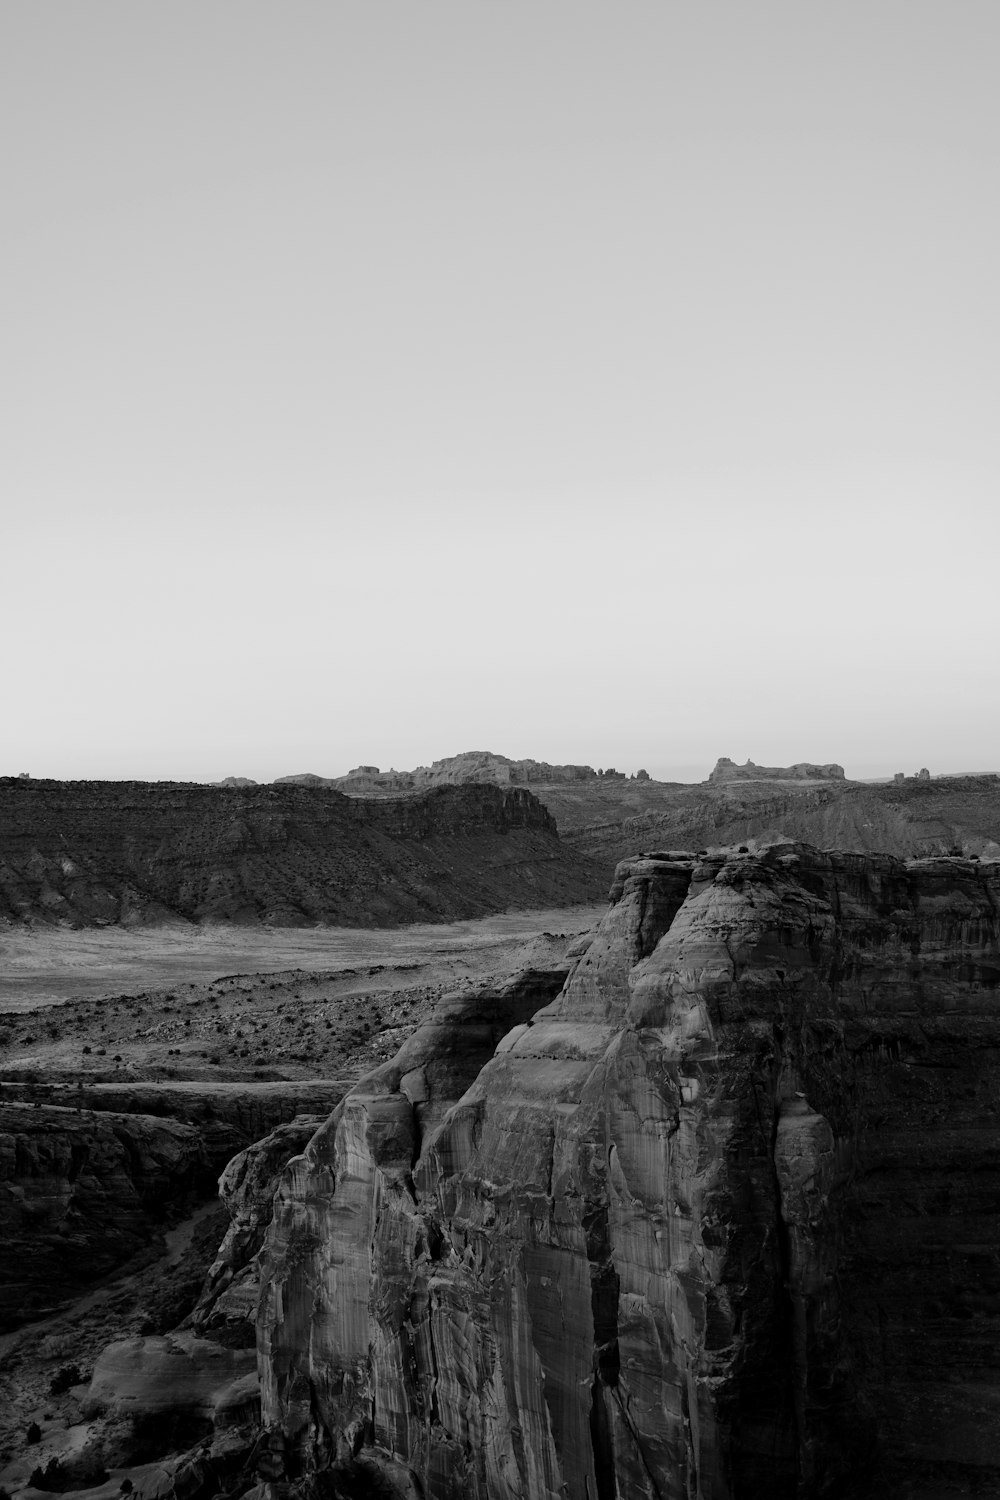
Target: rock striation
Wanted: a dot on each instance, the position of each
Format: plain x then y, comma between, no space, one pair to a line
94,853
719,1219
803,770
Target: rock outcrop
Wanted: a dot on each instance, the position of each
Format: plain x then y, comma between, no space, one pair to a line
91,852
803,770
719,1220
227,1306
173,1373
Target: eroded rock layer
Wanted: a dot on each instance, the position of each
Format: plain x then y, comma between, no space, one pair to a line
720,1219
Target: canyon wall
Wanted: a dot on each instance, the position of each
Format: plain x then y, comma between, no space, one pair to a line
719,1219
94,853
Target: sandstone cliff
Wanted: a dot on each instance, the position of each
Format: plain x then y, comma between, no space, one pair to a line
717,1221
133,852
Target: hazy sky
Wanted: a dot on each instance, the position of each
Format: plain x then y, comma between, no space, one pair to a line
598,382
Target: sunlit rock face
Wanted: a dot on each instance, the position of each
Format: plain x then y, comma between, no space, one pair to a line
717,1220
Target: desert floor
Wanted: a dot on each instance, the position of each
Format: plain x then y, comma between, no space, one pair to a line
49,966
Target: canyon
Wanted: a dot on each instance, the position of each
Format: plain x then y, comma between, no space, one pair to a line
693,1195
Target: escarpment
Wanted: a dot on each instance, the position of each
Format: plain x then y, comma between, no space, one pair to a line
719,1219
91,853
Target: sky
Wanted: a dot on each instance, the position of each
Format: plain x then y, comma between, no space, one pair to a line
599,383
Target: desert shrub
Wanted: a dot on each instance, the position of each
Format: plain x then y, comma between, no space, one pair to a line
64,1377
33,1433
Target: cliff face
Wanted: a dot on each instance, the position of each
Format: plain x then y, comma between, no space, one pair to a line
131,852
719,1220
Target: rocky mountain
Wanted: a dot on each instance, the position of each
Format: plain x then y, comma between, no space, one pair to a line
136,852
716,1221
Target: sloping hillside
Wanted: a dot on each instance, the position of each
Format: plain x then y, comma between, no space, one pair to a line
91,852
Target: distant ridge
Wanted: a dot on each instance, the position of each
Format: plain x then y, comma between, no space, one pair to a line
803,770
608,816
471,766
98,853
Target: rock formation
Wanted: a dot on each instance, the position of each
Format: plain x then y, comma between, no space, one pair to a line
803,770
228,1303
132,852
718,1220
472,766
